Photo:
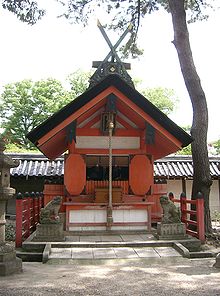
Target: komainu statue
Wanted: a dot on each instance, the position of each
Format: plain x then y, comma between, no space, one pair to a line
50,213
170,212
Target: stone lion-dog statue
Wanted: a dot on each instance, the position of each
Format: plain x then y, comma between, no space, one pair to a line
50,213
170,212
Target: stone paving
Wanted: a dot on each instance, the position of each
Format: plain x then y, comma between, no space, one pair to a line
112,253
110,238
121,252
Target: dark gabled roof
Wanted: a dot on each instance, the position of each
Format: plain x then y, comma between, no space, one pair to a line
127,90
172,167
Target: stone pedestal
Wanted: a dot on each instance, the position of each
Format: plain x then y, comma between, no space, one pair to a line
171,231
8,262
49,232
217,263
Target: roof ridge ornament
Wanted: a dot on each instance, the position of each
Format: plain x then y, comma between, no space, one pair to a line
115,66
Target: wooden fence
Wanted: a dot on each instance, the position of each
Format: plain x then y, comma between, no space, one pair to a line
192,214
28,206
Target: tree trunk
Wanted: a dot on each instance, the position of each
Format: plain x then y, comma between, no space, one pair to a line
201,177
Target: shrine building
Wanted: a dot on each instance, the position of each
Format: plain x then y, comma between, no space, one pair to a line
111,135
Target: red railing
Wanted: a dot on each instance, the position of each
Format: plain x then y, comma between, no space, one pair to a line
28,208
193,218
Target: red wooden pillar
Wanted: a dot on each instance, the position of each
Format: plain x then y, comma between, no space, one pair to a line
31,204
40,205
200,216
42,200
28,214
35,208
19,216
183,207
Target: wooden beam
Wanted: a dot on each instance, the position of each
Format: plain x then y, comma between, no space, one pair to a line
92,121
96,64
118,133
123,122
106,151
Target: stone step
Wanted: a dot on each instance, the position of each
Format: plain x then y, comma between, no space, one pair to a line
113,253
202,254
29,256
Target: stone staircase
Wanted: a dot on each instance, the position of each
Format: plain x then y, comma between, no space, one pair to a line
91,247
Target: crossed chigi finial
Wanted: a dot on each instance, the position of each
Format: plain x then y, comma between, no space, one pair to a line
113,54
115,65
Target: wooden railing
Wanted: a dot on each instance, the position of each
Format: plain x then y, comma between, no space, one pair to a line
28,206
193,218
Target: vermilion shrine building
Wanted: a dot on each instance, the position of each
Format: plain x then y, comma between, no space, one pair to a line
111,135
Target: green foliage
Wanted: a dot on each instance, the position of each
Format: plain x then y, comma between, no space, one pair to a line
163,98
26,104
129,12
79,82
124,13
26,11
216,216
217,146
185,151
13,148
188,149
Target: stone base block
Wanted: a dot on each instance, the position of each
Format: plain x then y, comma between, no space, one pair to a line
171,231
217,263
49,232
10,264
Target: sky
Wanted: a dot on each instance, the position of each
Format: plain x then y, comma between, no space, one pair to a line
55,48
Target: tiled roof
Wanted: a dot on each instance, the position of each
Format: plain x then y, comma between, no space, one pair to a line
168,167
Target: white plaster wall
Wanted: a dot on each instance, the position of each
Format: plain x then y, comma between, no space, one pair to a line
88,216
175,186
214,197
103,142
126,216
100,216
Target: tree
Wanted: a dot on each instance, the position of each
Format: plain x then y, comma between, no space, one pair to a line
163,98
132,12
26,104
201,177
79,82
27,11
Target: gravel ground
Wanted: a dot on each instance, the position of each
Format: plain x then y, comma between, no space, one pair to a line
184,277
